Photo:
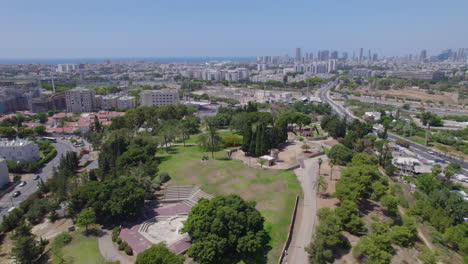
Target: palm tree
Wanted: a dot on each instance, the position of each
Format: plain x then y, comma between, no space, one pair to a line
213,138
331,162
320,161
321,185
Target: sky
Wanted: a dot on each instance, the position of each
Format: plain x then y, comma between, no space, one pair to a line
192,28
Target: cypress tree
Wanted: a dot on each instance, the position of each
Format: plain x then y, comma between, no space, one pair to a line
258,140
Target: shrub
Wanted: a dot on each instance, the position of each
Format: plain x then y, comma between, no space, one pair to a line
115,233
53,216
164,177
128,250
403,143
122,246
232,141
16,178
118,240
62,240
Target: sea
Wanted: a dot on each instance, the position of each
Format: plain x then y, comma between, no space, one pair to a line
98,60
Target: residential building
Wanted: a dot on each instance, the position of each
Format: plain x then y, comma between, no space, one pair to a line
45,103
80,100
361,72
126,102
19,150
17,98
419,75
159,97
109,101
4,178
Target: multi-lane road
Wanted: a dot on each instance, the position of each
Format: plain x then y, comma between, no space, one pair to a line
7,201
324,94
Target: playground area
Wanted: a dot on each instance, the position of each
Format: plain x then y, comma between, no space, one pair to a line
289,156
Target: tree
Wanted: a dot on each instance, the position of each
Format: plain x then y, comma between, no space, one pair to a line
390,202
7,132
159,254
85,218
457,237
213,139
375,248
42,117
349,217
40,130
26,249
340,154
405,234
262,162
331,163
320,161
112,200
225,227
320,185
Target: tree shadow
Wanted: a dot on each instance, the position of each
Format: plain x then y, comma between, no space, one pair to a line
164,158
341,249
94,231
365,206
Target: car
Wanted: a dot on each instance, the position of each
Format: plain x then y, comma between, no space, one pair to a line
37,177
22,183
16,194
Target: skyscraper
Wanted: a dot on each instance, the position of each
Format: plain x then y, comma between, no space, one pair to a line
345,55
423,55
361,50
369,56
334,55
298,54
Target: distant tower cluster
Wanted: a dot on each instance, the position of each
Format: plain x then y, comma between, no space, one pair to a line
298,55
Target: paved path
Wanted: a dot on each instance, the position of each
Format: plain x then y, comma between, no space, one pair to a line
108,250
301,239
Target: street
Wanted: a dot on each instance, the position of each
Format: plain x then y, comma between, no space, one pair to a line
324,94
7,201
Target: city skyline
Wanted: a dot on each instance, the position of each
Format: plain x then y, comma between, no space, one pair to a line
105,29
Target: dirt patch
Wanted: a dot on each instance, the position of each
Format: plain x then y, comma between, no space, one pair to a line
48,230
331,143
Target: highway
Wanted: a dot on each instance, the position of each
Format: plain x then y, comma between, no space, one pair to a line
324,94
7,201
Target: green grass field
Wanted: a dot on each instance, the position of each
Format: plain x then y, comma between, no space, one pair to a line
222,133
81,250
274,191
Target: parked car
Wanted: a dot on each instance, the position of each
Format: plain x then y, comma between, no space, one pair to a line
16,194
36,177
22,183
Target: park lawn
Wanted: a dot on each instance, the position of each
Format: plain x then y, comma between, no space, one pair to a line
81,250
222,133
274,191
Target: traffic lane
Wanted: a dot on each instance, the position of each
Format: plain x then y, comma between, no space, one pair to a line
423,151
7,201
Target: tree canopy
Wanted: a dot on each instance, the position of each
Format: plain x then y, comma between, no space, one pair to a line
225,227
159,254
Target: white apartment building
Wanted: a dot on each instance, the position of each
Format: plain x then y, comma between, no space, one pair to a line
80,100
126,102
159,97
62,68
19,150
4,179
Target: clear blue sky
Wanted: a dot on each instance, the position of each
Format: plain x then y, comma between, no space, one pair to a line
166,28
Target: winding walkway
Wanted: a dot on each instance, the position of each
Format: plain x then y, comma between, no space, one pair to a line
306,221
108,250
